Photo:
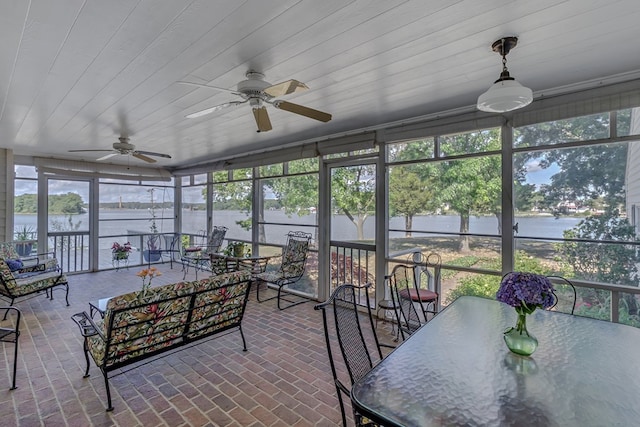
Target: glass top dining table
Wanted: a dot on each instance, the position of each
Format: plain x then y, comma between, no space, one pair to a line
456,370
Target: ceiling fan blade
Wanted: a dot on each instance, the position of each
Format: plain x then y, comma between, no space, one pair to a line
210,87
108,156
302,110
285,88
151,153
214,109
262,119
143,157
88,151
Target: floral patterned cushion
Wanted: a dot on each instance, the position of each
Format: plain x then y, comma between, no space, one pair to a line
294,257
7,277
8,251
217,304
147,322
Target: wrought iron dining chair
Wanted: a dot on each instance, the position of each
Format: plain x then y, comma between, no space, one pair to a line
292,266
427,275
11,335
405,296
565,295
359,355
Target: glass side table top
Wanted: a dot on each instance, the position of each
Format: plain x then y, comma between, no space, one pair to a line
456,370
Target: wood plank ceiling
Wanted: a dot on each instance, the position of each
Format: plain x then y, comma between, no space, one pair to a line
75,74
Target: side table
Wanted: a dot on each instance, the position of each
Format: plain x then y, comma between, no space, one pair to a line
99,307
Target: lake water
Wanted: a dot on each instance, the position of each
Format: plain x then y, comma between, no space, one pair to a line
116,223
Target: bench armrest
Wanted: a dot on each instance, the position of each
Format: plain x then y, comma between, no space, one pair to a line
87,327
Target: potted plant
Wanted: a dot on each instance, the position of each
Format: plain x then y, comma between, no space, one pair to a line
120,251
24,240
237,249
152,253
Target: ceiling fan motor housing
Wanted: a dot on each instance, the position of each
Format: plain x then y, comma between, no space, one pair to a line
123,146
254,86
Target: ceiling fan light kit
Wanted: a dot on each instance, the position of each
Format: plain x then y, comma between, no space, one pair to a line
506,94
258,92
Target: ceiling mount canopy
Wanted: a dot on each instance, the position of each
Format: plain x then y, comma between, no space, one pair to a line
506,94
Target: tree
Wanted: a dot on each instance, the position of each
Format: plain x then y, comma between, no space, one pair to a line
353,191
408,195
297,194
26,203
412,187
603,262
525,196
586,173
471,185
70,203
236,195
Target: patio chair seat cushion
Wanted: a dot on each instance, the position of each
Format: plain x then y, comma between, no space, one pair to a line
423,295
29,283
270,277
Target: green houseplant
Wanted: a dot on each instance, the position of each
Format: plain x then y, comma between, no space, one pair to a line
237,249
152,253
24,240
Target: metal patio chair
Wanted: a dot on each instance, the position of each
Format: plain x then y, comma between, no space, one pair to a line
404,294
359,355
294,259
198,256
565,295
10,334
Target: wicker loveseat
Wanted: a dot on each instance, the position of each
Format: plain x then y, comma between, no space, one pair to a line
139,325
29,275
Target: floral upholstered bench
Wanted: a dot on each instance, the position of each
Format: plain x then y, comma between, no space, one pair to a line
26,264
32,277
142,324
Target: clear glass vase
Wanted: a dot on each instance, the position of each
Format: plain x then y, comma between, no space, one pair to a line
519,340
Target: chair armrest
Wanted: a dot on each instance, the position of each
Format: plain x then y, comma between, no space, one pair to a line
87,327
5,331
44,256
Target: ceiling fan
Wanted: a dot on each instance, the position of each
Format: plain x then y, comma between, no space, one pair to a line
123,147
257,92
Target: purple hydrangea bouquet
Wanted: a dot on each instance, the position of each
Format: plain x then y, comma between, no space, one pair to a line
525,292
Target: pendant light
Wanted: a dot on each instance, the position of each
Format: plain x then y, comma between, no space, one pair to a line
506,94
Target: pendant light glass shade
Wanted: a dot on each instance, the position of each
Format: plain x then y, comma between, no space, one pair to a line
506,94
503,96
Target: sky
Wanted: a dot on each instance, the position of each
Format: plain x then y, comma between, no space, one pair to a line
537,175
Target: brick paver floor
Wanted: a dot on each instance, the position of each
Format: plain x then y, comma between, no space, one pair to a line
283,379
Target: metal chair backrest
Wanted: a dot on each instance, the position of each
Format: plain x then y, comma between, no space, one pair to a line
215,239
294,255
358,356
563,287
402,279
